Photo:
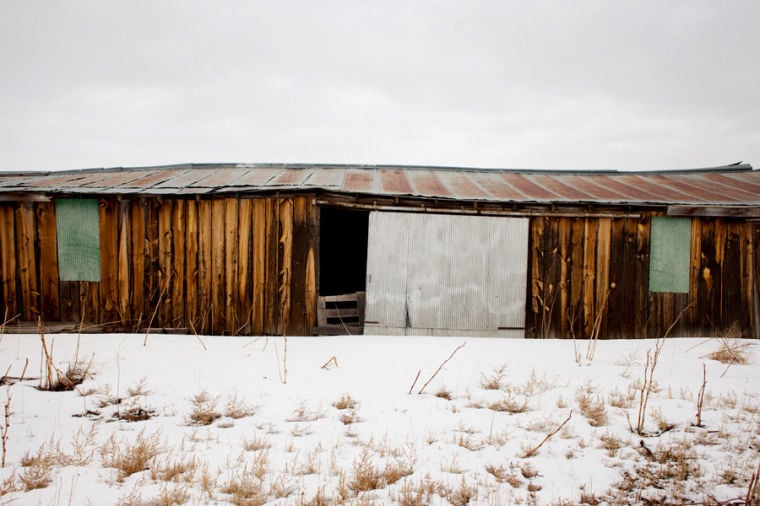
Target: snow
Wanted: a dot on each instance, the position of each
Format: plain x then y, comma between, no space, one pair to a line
449,450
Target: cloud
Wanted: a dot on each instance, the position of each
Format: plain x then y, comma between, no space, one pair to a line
485,83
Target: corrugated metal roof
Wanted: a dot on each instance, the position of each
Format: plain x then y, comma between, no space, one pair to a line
729,185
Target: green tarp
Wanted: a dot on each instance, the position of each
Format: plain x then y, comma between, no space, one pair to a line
669,257
78,239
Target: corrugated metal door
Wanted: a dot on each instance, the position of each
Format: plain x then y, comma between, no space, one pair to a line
446,274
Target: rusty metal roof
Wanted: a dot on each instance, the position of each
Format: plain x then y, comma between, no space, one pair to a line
729,185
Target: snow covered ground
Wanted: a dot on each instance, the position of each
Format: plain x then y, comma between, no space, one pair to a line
331,420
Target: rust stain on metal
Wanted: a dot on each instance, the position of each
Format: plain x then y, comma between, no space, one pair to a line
497,185
257,176
394,182
359,181
530,189
654,185
558,186
326,178
742,184
290,177
705,191
151,178
726,185
595,188
426,183
221,178
462,186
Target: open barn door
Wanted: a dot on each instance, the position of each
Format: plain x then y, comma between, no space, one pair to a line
435,274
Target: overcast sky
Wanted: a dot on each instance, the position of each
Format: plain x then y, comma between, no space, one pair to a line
581,84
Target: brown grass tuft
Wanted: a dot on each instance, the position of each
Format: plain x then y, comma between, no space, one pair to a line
130,458
591,406
204,410
345,402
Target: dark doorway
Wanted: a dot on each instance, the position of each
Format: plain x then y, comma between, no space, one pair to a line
342,250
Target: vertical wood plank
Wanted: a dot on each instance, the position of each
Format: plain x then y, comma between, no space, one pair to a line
312,224
298,324
244,275
285,259
272,303
259,265
695,269
553,275
604,286
48,246
721,233
109,262
27,265
643,233
589,275
732,277
564,287
627,285
191,265
151,260
124,279
575,310
755,280
747,277
232,314
137,260
8,261
205,274
536,276
165,278
616,255
218,285
709,275
179,263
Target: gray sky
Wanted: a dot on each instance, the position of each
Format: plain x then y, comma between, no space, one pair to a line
581,84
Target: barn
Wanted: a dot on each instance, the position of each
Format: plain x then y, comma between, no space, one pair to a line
300,249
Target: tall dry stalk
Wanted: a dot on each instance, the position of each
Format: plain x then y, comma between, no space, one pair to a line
7,412
441,367
701,396
647,384
282,373
597,327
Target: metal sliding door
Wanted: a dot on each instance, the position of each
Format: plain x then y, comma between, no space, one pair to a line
446,274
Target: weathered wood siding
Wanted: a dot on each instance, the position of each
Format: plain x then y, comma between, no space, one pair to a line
591,275
248,266
215,266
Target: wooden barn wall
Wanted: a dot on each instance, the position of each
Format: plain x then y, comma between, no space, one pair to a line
213,266
590,276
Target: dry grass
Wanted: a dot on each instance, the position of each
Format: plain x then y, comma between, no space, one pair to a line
349,417
619,399
510,403
611,443
493,382
130,458
256,444
730,351
443,393
245,489
171,494
180,469
345,402
238,408
460,495
204,410
304,414
591,406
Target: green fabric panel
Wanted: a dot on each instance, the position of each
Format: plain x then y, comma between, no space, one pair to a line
78,239
670,255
